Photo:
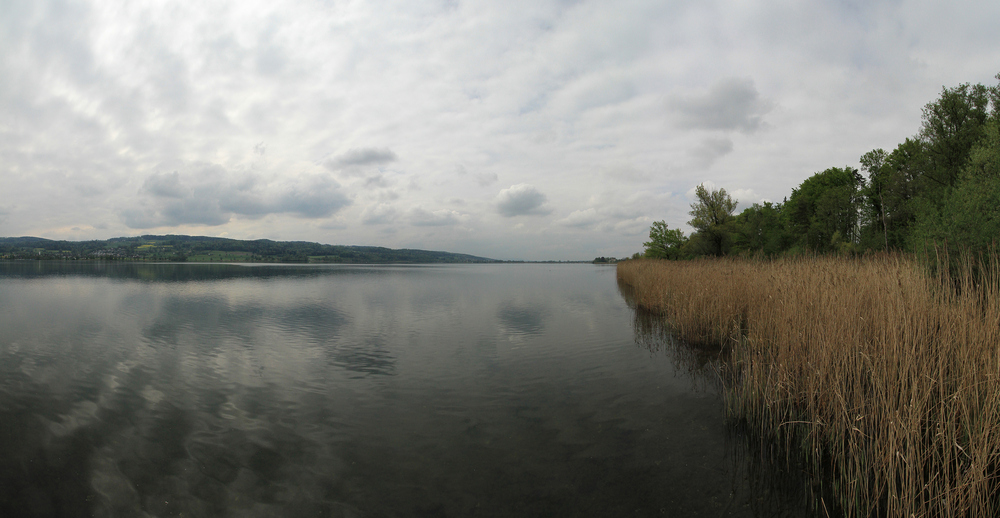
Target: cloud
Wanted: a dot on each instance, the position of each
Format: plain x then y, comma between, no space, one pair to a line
378,214
208,195
521,200
319,197
164,185
485,179
360,157
593,91
746,198
598,101
626,174
424,218
609,218
482,178
730,104
581,218
710,150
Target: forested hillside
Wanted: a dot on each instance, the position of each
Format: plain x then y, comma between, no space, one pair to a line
212,249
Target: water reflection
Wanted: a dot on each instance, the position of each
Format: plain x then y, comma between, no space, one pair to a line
349,391
521,319
370,356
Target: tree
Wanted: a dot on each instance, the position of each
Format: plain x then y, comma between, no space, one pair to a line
952,126
710,215
761,229
664,243
824,209
969,217
874,162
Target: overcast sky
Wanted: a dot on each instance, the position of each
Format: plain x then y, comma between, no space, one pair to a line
510,129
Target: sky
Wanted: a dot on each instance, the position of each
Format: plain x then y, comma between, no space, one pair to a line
535,130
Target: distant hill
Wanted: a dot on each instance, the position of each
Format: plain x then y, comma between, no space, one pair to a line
217,249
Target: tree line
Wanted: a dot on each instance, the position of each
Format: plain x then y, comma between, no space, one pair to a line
939,188
181,248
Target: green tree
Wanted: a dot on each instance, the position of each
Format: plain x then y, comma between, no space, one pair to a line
952,126
969,217
824,210
874,163
664,243
711,216
761,229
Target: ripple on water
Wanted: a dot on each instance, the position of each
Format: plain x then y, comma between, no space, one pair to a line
500,391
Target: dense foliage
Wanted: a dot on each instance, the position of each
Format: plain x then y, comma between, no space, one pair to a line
198,248
940,188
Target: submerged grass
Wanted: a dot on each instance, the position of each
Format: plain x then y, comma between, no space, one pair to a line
881,378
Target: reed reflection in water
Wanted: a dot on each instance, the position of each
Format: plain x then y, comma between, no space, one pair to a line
763,478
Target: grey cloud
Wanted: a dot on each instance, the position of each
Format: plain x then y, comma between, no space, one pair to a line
320,199
595,90
379,214
317,199
712,149
424,218
376,181
604,219
245,203
485,179
521,199
360,157
88,190
140,218
167,185
482,178
626,174
731,104
200,209
271,60
208,195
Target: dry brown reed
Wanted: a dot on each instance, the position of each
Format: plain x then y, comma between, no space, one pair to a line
884,378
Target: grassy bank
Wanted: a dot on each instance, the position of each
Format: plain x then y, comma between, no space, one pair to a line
883,378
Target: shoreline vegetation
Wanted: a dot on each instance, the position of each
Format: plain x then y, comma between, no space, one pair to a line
877,374
857,322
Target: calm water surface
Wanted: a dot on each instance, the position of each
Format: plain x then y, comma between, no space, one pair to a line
231,390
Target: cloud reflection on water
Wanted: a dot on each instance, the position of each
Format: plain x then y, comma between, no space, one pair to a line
335,391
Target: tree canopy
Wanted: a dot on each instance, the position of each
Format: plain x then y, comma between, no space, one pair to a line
710,215
664,243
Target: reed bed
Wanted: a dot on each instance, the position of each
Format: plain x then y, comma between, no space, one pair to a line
881,378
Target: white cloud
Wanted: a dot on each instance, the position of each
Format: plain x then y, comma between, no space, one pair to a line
581,218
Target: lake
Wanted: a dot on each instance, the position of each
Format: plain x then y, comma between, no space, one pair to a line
135,389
